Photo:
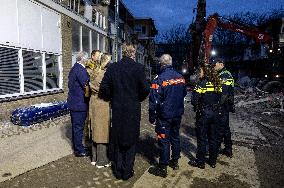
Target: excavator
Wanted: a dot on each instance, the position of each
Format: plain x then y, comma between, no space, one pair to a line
215,21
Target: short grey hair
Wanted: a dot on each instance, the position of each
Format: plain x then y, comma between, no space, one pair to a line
81,56
166,59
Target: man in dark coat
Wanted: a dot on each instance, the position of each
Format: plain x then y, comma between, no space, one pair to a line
78,80
125,85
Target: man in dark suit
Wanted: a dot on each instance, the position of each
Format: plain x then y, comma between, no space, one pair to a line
125,85
78,80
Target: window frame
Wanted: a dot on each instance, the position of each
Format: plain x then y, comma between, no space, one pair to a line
24,94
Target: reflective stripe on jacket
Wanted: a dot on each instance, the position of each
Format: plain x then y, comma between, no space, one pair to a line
167,94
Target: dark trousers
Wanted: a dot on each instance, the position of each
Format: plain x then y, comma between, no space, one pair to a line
124,157
226,132
207,132
99,152
168,138
78,123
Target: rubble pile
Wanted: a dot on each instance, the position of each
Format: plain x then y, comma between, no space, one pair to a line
263,109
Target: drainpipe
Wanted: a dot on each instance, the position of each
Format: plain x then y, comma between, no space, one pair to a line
116,24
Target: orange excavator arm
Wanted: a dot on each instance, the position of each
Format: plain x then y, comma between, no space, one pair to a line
214,22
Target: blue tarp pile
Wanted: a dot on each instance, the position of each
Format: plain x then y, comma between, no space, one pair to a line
37,113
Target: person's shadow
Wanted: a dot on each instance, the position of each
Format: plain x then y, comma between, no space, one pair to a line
187,145
148,145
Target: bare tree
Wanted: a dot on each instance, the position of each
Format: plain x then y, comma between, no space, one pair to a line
176,41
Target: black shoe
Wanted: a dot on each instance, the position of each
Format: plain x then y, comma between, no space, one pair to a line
82,154
197,164
117,175
128,176
160,170
174,164
227,153
212,164
85,154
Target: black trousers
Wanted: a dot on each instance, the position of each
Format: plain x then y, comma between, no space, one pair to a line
226,132
124,157
207,132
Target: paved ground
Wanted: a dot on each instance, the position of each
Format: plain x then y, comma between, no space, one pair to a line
26,148
257,161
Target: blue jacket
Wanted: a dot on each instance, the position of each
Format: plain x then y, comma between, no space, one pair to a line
167,95
77,80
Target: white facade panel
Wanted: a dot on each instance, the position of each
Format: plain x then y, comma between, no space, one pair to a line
8,20
30,24
51,31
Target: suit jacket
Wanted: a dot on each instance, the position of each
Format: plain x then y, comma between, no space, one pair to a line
77,80
125,85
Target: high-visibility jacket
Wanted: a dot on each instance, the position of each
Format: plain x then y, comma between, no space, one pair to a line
227,81
206,95
167,94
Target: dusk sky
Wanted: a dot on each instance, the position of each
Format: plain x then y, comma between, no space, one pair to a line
170,12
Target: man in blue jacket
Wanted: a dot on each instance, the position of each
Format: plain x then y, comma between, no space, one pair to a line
166,107
78,80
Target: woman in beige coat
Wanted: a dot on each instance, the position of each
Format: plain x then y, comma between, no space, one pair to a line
99,113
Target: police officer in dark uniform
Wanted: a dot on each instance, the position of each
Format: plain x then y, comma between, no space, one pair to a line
206,99
78,80
227,105
166,107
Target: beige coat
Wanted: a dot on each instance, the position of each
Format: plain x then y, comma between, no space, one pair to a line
99,111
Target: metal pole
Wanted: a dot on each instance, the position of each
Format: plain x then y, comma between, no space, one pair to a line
116,23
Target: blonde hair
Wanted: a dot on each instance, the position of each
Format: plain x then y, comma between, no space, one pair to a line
105,59
128,50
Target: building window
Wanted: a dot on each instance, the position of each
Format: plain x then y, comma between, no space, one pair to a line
9,71
94,41
52,71
97,18
104,22
144,30
86,40
101,20
26,72
102,43
32,70
76,37
138,28
74,5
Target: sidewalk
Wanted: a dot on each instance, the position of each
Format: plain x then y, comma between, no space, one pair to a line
37,147
26,148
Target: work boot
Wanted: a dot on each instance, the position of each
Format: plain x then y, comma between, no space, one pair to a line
197,164
227,153
160,170
174,164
